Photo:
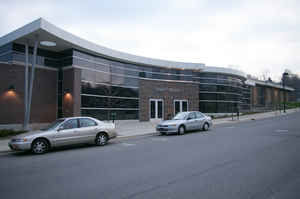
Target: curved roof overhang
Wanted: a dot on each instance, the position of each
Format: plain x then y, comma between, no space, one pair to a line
65,40
222,70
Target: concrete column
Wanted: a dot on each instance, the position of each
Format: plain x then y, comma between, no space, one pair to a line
31,80
25,124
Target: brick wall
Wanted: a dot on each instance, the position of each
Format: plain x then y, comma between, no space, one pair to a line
168,92
72,89
44,98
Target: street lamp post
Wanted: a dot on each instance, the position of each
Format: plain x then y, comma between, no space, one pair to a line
284,92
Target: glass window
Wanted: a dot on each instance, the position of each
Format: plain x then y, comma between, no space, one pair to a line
53,125
70,124
106,114
206,87
224,107
177,107
207,96
159,109
192,115
199,115
108,102
86,122
180,116
152,107
208,107
6,48
124,92
6,57
184,106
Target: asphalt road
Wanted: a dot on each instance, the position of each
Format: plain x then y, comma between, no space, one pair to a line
253,159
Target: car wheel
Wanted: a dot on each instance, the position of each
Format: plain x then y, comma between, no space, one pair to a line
181,130
40,146
205,127
101,139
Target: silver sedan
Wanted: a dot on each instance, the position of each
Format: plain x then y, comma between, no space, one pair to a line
65,131
183,122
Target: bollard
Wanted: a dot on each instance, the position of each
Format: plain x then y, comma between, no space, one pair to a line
113,116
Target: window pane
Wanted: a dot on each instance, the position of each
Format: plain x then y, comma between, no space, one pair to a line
208,107
207,96
152,107
199,115
177,107
192,115
184,106
105,114
160,109
85,122
70,124
108,102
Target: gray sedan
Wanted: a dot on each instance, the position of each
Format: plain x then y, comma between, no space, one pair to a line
65,131
183,122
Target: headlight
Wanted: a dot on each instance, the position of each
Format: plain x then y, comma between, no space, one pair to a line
20,140
172,125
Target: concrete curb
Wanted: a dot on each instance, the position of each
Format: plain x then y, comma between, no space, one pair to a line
6,151
139,135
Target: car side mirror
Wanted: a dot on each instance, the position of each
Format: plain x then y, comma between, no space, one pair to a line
188,118
60,128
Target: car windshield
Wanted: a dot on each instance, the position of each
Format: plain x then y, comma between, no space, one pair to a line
180,116
53,125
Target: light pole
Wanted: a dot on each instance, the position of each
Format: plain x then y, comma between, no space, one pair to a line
284,93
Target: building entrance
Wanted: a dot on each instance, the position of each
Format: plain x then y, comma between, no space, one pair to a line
180,106
156,108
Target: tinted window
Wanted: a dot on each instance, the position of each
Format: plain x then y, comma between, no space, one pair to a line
192,116
107,102
86,122
70,124
53,125
106,114
180,116
199,115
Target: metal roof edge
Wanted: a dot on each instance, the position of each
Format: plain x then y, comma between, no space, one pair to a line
20,32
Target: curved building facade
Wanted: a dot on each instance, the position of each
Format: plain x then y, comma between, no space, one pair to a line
92,80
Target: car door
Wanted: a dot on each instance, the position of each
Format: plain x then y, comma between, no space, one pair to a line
66,133
191,122
88,130
200,120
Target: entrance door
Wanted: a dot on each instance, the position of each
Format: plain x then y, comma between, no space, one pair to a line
156,108
180,106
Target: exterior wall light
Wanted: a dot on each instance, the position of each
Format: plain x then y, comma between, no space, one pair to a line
67,95
10,92
66,91
11,88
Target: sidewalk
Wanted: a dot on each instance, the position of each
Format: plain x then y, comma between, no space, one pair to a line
132,128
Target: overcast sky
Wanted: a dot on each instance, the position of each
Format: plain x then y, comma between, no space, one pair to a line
255,36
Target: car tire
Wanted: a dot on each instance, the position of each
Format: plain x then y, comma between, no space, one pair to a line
40,146
181,130
205,126
101,139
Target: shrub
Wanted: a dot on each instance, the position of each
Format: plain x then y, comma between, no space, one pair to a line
9,132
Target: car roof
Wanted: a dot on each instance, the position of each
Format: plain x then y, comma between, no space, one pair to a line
78,117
